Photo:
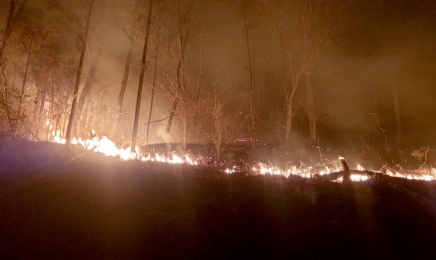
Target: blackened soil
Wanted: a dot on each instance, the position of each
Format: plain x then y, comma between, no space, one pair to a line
107,209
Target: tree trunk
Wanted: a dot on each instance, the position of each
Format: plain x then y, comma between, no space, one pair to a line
23,87
8,30
172,114
121,93
311,111
9,115
88,84
290,109
141,79
152,94
288,122
185,128
252,94
79,73
179,86
180,72
37,111
51,117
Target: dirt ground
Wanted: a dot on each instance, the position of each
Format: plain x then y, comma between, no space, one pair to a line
93,207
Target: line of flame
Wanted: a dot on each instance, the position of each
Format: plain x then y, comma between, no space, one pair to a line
107,147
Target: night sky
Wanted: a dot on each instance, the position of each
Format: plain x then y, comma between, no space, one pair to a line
372,64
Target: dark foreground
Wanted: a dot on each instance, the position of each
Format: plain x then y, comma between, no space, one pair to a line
91,207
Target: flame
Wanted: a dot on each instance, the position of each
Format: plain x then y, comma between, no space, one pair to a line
412,176
302,171
107,147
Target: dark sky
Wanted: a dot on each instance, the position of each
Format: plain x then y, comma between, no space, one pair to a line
373,47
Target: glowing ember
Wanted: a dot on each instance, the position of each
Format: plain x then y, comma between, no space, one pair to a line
359,177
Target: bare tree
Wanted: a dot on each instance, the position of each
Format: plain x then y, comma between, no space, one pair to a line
15,8
300,49
183,86
23,87
141,77
78,77
153,88
218,125
120,100
182,32
312,114
251,83
87,88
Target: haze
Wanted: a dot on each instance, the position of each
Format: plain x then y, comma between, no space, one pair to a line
363,71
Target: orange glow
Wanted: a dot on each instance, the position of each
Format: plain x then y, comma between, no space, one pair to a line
107,147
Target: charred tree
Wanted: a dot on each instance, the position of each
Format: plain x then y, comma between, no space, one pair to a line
141,77
179,82
290,97
8,30
121,93
38,110
152,94
180,95
79,73
14,9
87,88
172,114
251,84
311,110
317,22
23,87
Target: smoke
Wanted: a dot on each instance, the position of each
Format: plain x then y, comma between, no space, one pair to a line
164,136
378,47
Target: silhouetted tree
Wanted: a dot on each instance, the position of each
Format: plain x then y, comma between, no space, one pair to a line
153,88
219,125
300,49
251,83
141,77
79,73
121,93
15,7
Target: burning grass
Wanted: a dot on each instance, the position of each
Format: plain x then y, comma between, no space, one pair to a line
331,170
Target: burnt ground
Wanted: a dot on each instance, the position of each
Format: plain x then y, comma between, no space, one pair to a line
78,205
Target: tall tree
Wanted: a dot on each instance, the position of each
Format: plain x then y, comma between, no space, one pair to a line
87,88
251,83
153,88
311,110
15,8
301,46
141,77
50,52
317,29
122,92
78,77
182,90
218,124
23,87
182,33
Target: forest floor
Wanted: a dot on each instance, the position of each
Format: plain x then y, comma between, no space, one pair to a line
60,203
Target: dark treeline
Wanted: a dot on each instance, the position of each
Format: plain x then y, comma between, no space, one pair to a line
290,72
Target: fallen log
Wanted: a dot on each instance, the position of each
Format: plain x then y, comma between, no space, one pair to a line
346,173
